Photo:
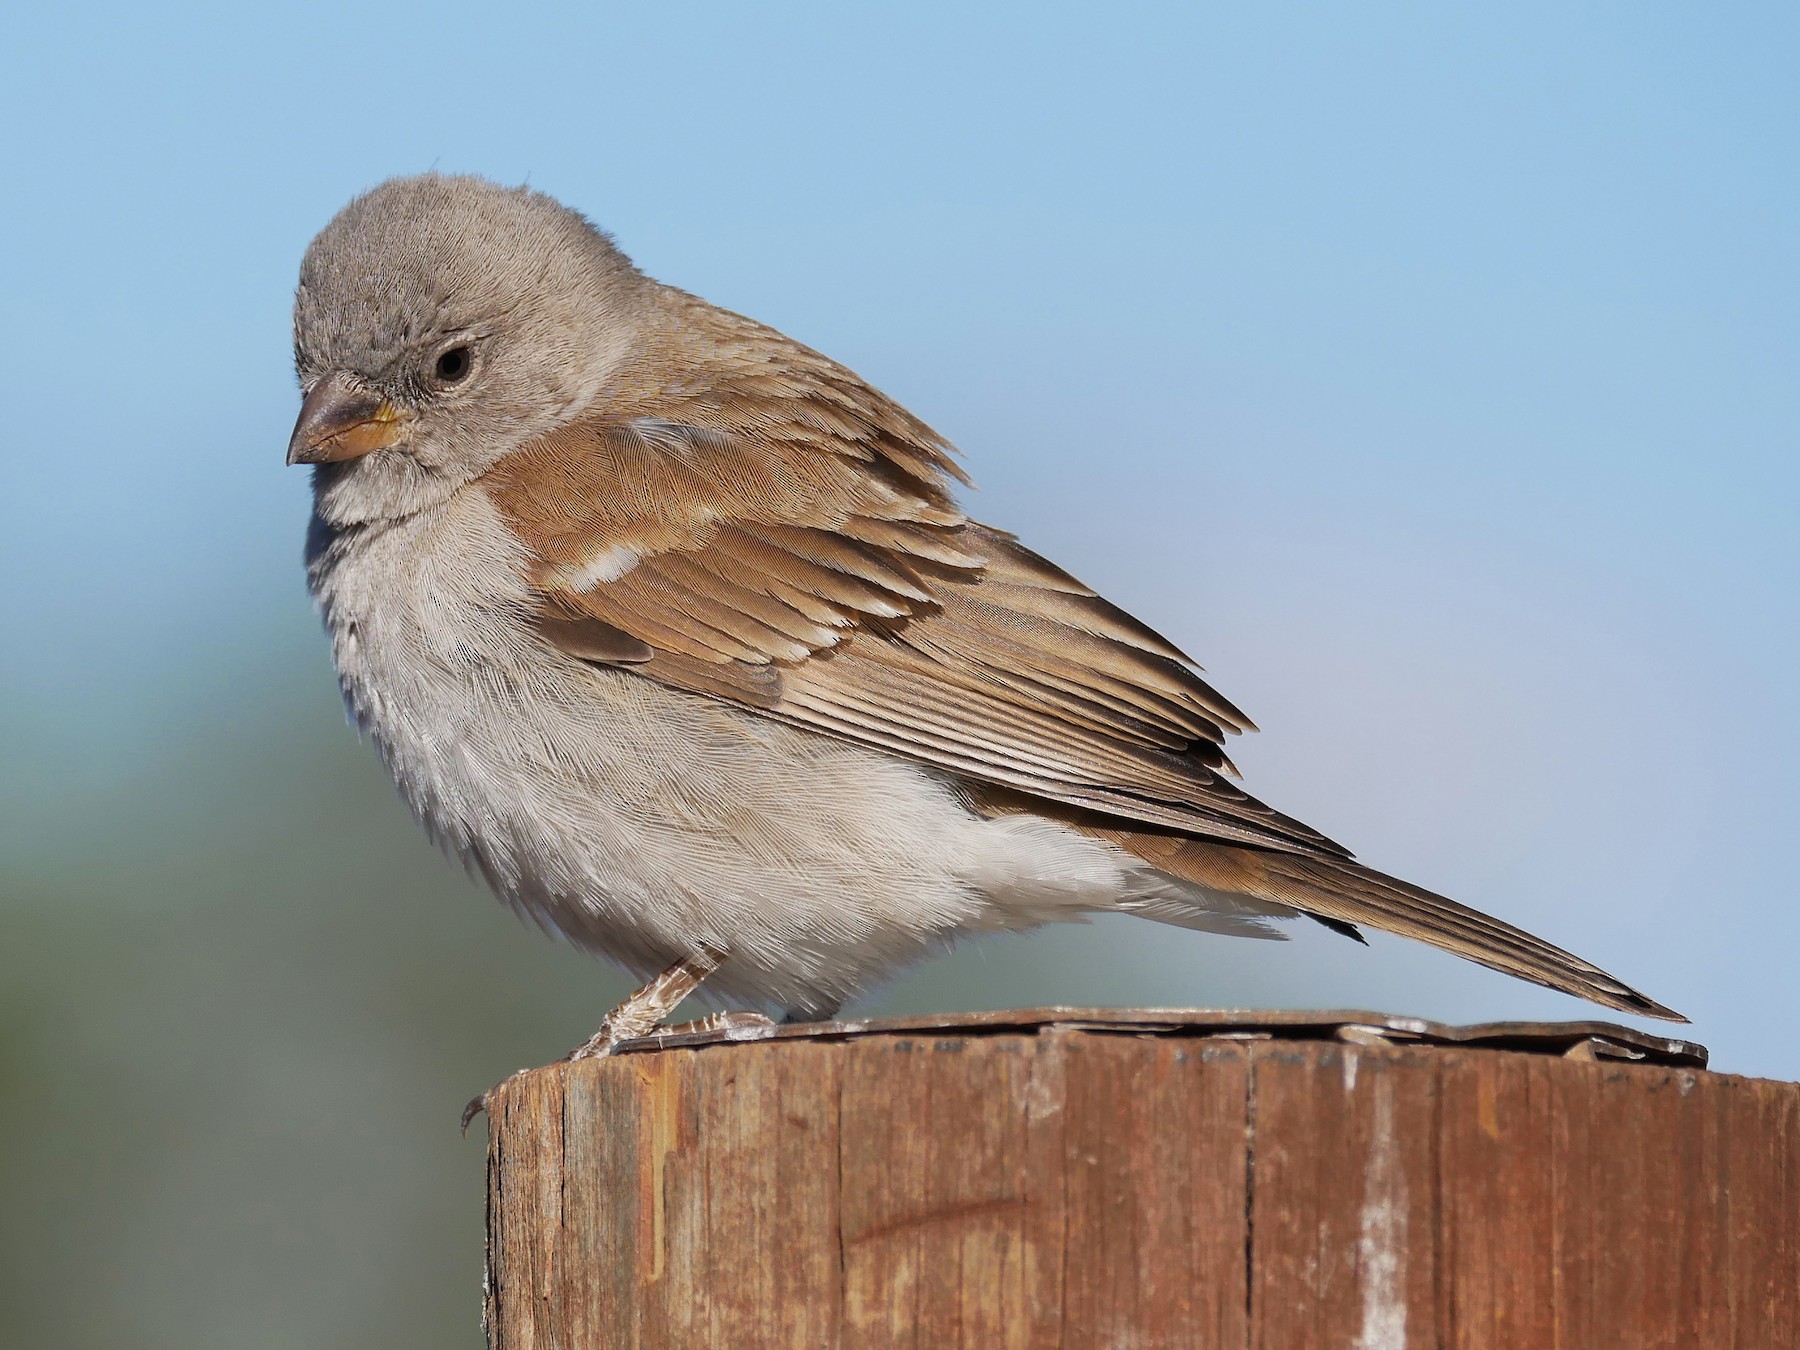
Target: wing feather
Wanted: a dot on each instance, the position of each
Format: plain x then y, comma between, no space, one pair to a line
772,513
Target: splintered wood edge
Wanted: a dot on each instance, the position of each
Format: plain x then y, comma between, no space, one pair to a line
1581,1040
1572,1040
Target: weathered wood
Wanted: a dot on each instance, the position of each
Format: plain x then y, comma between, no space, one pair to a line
1073,1186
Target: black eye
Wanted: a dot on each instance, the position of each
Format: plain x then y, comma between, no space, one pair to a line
452,364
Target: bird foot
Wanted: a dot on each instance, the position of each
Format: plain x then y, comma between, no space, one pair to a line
603,1043
636,1017
719,1021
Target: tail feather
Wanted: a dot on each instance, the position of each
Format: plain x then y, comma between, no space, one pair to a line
1352,893
1335,891
1339,892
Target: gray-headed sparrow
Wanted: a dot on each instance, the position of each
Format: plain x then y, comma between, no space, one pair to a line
672,628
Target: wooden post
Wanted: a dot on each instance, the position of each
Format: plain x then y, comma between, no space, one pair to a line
1186,1180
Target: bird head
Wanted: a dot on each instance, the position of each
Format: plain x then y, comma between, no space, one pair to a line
441,322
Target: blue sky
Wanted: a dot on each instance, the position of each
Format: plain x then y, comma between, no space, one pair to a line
1428,371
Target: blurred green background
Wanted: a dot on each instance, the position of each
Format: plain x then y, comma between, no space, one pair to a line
1428,370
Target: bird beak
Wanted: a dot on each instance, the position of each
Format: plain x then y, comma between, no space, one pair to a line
339,422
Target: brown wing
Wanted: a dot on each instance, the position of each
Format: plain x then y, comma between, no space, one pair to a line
765,528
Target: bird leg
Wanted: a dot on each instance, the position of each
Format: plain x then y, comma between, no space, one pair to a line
645,1010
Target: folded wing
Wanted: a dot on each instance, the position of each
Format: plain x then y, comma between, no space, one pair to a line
778,534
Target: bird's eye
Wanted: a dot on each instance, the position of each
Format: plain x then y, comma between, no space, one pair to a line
452,365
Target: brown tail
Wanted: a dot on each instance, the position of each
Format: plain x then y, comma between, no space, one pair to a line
1346,892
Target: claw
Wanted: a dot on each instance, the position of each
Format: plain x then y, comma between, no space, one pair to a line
475,1107
479,1104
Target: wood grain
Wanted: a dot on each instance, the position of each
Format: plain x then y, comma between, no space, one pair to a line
1080,1187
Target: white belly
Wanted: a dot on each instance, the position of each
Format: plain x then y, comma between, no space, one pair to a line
640,821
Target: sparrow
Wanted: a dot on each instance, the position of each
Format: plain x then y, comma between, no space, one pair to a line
671,628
